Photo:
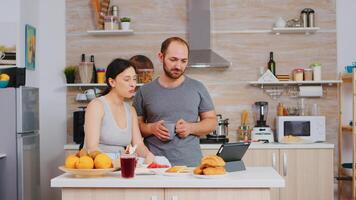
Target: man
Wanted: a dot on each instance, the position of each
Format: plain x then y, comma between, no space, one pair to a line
178,98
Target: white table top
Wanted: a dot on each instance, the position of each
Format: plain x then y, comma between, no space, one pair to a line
252,177
2,155
252,146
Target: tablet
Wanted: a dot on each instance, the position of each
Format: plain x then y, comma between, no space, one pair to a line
233,151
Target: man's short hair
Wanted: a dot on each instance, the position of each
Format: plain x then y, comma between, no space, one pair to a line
168,41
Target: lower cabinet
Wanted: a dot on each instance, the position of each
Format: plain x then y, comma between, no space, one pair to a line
308,173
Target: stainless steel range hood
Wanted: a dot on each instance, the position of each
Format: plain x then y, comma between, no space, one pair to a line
199,34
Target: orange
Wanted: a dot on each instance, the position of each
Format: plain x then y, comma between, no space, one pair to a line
71,161
102,161
82,152
94,154
4,77
85,162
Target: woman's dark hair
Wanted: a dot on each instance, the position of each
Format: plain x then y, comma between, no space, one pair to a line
115,68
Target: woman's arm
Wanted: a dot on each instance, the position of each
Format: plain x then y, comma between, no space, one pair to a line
93,119
137,139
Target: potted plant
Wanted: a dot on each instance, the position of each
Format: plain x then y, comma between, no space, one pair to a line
69,72
125,23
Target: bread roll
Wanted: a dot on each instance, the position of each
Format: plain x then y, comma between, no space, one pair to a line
214,171
176,169
213,161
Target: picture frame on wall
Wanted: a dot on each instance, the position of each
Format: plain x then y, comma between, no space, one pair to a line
30,47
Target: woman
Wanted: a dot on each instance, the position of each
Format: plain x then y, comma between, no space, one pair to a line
110,122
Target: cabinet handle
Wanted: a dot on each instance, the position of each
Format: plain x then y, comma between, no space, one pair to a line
274,160
154,197
174,198
285,160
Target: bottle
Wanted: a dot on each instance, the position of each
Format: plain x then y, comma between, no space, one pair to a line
93,78
272,64
280,109
83,57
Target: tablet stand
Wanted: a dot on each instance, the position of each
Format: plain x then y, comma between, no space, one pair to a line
233,166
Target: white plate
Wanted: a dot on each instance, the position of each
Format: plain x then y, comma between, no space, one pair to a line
144,171
210,176
175,174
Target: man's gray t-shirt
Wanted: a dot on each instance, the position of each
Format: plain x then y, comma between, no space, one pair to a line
154,102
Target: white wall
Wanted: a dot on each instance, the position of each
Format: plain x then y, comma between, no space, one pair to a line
346,54
9,11
51,59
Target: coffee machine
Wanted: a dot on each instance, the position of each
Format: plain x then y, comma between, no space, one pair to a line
219,135
261,131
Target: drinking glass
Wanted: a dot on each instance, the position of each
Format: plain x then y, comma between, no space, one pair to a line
128,165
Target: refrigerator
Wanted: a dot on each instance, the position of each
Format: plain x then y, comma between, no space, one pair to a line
19,140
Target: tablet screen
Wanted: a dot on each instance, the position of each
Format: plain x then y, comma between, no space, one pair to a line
233,151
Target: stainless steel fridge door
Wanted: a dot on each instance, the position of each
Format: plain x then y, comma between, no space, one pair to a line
28,152
27,109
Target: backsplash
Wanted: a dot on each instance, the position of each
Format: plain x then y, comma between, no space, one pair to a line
240,32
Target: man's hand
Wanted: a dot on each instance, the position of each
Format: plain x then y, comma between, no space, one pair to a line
159,130
183,128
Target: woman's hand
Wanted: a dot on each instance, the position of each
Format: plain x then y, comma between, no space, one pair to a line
149,158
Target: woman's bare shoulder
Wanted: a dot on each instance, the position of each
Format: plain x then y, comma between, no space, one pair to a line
96,104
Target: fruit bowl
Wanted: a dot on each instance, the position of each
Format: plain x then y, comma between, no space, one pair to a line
86,172
3,84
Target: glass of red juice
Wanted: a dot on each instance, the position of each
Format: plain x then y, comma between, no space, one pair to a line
128,165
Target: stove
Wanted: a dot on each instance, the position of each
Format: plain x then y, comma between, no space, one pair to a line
214,139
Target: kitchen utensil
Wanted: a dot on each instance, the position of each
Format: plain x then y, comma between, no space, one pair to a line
221,127
261,132
85,71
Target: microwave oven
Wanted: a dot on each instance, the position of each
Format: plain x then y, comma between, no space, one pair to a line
311,128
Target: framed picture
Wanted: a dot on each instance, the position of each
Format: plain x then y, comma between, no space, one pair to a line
30,47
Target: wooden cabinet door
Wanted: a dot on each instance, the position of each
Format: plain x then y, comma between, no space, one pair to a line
216,194
308,174
109,194
263,158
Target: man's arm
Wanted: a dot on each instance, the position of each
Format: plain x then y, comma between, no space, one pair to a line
157,129
206,125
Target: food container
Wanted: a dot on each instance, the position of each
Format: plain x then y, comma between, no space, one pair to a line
111,23
100,75
316,71
145,75
298,74
308,74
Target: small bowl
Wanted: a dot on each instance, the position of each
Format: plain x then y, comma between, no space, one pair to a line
3,84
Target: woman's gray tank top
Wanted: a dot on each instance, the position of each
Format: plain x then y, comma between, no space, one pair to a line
113,139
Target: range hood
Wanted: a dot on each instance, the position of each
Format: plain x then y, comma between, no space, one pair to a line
199,34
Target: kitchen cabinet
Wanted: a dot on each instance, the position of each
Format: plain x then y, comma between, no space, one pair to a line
109,193
213,194
308,172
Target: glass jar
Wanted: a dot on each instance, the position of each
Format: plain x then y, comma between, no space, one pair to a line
316,71
144,75
244,133
298,74
111,23
308,74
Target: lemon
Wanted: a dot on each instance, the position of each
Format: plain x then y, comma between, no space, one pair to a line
85,162
4,77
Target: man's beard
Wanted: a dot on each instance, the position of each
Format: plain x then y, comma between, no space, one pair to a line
170,74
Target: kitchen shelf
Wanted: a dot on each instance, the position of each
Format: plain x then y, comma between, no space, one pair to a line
92,84
323,82
110,32
347,77
307,31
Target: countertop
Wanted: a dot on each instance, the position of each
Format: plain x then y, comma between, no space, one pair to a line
252,146
2,155
252,177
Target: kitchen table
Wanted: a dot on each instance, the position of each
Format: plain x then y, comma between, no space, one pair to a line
253,183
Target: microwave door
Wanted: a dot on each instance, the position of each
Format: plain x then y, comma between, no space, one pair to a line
297,128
